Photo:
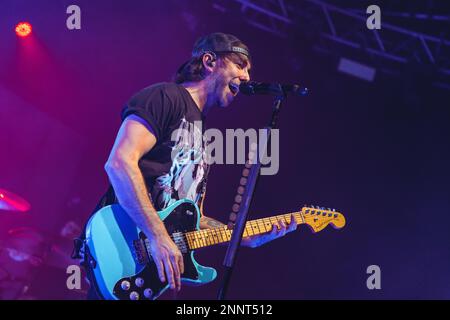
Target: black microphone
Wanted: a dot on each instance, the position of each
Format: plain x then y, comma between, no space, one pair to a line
277,89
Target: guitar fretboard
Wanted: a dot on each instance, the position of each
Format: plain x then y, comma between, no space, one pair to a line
209,237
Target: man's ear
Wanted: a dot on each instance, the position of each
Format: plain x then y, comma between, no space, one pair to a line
209,59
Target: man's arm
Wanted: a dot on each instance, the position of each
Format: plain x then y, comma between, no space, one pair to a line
209,223
135,138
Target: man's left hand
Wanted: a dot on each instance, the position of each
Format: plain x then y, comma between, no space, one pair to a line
278,231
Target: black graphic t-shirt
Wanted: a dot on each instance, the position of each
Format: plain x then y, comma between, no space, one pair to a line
176,167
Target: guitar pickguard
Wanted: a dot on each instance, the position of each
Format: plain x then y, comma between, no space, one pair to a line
146,283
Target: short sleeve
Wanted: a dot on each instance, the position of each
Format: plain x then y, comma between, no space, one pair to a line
154,106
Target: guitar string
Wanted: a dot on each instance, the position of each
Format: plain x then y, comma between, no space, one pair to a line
252,225
203,238
257,224
209,237
264,222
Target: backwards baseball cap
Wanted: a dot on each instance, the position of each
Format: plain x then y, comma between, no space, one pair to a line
215,43
219,43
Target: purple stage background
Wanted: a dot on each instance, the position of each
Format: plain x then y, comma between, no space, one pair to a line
376,151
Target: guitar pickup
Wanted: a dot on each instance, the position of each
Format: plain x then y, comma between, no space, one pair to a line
140,253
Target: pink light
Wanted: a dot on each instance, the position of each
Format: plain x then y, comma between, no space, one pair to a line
23,29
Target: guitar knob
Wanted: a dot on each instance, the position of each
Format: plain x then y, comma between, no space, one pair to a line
148,293
134,295
125,285
139,282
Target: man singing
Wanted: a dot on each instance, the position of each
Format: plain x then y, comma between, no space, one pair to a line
146,174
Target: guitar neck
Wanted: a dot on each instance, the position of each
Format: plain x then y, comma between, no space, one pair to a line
209,237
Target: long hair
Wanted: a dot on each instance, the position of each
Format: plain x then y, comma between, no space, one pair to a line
192,70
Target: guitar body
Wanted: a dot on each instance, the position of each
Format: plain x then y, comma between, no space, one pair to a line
121,266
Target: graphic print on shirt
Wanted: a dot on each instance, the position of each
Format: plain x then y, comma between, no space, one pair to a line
187,173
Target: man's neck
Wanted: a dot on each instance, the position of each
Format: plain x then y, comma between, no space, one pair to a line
199,93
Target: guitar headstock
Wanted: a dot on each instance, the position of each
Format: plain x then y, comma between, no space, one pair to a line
317,218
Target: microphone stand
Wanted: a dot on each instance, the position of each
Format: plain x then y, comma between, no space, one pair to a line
241,220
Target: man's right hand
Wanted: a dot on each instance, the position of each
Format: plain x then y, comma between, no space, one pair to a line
168,260
136,138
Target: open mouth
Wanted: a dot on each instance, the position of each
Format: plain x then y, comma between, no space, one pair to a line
234,88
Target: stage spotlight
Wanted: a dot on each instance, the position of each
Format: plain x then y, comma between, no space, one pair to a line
23,29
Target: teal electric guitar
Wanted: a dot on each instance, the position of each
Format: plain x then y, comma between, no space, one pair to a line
118,250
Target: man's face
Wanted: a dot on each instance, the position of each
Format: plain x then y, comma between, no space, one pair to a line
228,75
